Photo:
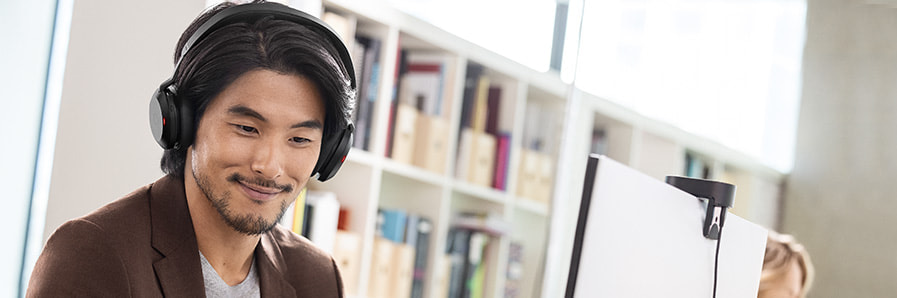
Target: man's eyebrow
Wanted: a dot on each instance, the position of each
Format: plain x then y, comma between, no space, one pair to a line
313,124
241,110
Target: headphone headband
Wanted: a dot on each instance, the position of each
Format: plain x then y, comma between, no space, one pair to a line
278,11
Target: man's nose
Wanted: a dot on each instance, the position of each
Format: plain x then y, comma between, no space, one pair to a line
267,160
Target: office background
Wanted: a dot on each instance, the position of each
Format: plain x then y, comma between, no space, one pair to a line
836,199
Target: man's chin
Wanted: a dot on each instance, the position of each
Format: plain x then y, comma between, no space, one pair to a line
250,225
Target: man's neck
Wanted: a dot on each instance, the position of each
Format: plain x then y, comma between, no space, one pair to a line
228,251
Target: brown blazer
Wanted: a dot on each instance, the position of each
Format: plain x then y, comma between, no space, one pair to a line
144,245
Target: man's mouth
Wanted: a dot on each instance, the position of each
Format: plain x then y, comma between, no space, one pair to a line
259,193
259,190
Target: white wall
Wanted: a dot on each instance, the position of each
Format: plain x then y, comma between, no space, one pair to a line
25,29
841,200
119,52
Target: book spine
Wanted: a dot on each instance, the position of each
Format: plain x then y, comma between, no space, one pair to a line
515,270
481,106
493,103
502,156
400,64
394,225
298,223
422,247
459,241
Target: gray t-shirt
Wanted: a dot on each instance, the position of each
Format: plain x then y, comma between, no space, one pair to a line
216,287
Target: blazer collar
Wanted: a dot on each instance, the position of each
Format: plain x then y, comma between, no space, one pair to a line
271,271
179,271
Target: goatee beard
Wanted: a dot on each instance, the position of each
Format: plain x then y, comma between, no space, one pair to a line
246,224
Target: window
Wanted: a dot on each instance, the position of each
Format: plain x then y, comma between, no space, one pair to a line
729,70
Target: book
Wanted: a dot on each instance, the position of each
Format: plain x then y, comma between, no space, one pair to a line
423,228
323,226
403,273
293,217
431,148
481,105
482,160
493,103
393,227
465,149
348,259
381,270
305,226
502,156
514,272
368,86
443,275
404,134
343,221
528,170
411,221
467,249
475,272
471,81
393,107
457,250
423,82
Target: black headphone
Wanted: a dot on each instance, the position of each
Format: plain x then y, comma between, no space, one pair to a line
171,119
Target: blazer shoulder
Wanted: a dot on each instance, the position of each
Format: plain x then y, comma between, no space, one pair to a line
78,260
133,208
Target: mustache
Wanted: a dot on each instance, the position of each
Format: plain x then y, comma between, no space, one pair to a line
235,177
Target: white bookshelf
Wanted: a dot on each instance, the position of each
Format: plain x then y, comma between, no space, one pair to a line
369,180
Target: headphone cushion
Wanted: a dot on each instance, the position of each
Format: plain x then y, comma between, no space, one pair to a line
335,153
163,117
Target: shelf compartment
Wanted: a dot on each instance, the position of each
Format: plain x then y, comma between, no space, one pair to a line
532,206
413,173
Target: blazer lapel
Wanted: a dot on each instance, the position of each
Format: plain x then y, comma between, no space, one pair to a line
179,271
270,268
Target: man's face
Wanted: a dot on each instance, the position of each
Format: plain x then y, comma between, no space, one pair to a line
256,146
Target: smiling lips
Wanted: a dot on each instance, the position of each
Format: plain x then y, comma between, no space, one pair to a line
259,193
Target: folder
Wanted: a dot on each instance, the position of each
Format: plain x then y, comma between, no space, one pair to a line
482,163
345,254
431,143
405,130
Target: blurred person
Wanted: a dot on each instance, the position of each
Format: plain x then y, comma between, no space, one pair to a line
787,269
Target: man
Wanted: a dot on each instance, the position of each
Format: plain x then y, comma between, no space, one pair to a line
258,104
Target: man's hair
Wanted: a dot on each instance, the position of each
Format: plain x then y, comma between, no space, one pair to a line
225,54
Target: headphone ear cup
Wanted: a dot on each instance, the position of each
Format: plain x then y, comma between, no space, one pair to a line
335,152
163,117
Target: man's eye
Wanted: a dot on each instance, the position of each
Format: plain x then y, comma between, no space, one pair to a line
247,129
299,140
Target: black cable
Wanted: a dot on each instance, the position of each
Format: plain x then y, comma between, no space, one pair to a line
716,260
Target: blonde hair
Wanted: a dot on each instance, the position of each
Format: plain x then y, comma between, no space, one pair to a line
782,251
